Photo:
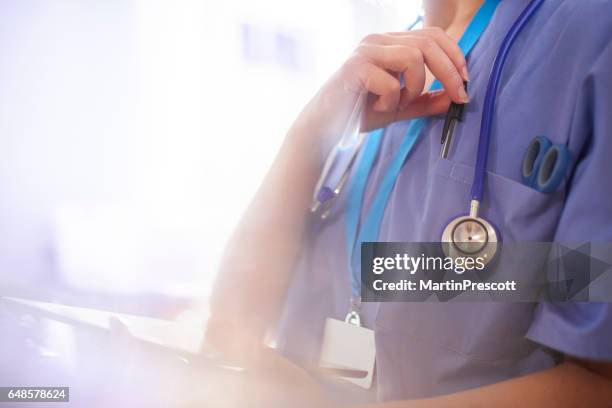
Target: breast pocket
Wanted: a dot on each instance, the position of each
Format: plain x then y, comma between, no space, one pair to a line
519,213
480,331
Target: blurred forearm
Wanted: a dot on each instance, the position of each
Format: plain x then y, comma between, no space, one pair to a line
571,384
258,261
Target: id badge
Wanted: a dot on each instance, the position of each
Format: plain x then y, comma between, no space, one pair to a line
349,346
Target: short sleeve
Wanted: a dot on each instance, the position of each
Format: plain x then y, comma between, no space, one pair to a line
585,329
581,330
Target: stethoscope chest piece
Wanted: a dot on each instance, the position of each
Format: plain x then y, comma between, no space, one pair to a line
470,236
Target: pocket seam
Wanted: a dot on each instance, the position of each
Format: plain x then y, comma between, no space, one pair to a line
446,168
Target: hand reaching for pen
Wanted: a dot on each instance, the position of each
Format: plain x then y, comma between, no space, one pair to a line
377,67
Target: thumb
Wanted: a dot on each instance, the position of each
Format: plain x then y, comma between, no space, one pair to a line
427,104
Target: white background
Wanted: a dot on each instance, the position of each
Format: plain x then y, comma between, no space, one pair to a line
133,133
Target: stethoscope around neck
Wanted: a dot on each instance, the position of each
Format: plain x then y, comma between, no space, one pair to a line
465,236
472,235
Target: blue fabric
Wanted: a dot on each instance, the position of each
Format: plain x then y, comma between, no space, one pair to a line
484,140
585,329
557,83
371,225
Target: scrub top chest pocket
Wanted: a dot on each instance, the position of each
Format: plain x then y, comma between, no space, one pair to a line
478,343
481,339
520,213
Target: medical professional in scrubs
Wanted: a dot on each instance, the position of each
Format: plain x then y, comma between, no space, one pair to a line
287,273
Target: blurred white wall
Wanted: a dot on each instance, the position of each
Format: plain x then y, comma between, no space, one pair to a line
133,133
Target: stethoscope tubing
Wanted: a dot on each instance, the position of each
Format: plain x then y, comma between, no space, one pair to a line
484,140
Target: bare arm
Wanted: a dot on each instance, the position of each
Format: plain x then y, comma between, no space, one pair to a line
259,259
255,269
575,383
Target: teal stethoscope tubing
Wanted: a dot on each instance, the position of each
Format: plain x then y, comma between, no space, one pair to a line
371,225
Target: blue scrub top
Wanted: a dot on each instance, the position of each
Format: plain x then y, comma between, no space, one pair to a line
557,82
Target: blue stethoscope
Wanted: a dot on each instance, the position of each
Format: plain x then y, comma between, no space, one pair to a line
471,235
468,235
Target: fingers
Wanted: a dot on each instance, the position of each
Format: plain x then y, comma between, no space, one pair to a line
399,52
381,59
427,104
450,47
367,75
442,67
399,58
